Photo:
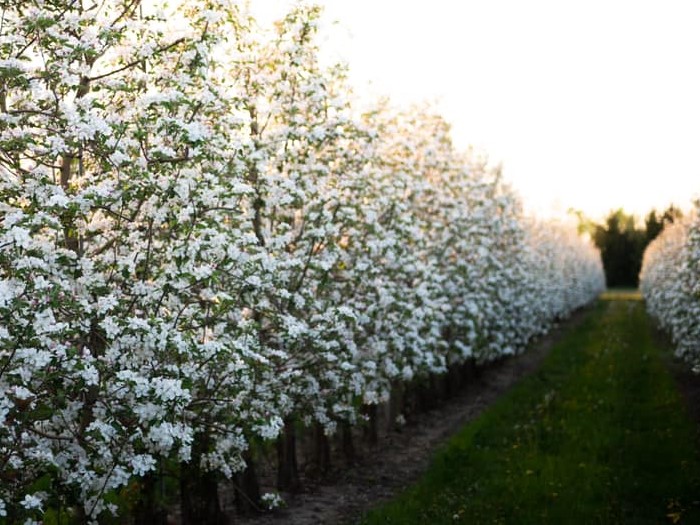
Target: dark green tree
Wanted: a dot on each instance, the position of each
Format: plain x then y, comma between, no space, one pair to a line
621,246
654,226
622,243
655,223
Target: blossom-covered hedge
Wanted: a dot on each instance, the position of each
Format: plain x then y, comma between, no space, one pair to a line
670,283
201,239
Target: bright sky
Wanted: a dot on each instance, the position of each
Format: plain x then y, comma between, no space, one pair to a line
590,104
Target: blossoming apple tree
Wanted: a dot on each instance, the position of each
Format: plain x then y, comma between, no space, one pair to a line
202,241
670,283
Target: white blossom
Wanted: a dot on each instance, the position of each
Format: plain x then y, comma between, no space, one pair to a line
232,240
32,501
669,281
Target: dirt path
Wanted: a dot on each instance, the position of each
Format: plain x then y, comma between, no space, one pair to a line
400,458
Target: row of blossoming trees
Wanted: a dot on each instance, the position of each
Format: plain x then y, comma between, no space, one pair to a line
670,283
202,242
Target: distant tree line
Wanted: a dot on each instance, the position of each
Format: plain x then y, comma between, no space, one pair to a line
622,241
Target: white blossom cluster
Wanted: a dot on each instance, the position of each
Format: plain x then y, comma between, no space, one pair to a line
670,283
201,238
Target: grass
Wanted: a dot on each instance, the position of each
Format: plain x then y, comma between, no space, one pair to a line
599,435
621,294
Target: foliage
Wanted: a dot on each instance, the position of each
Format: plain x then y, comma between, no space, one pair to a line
598,435
200,238
670,283
622,243
654,224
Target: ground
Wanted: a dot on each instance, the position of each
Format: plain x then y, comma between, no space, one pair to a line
598,434
401,458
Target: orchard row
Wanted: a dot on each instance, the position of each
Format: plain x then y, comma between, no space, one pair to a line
202,236
670,283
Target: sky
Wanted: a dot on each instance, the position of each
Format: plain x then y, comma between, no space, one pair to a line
592,105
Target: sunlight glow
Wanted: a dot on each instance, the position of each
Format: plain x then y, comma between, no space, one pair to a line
592,105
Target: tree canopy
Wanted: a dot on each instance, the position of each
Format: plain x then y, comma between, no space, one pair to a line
622,241
204,241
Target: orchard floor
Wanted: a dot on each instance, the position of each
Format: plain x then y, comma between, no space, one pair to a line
596,423
401,458
605,431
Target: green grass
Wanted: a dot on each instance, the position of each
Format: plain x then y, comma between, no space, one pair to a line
599,435
621,294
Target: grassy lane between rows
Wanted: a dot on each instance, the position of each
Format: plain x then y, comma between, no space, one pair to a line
599,435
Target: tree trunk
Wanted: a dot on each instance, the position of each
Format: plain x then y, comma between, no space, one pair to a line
247,488
287,468
321,458
149,507
425,397
470,371
347,444
438,385
371,432
199,490
396,405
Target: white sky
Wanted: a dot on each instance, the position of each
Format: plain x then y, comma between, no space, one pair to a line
593,104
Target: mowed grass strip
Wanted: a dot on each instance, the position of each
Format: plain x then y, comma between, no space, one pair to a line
599,435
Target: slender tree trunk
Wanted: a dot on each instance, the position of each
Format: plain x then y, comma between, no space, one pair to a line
347,444
371,431
247,487
287,467
396,404
470,371
425,398
199,490
150,508
321,450
454,380
411,404
439,387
